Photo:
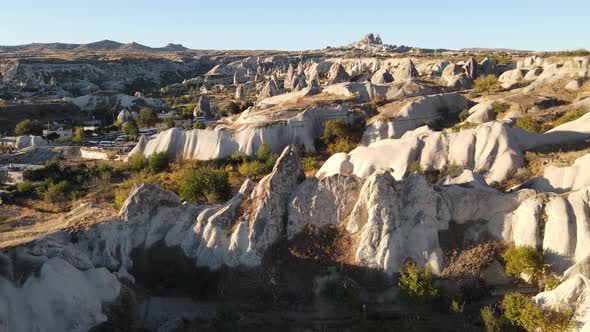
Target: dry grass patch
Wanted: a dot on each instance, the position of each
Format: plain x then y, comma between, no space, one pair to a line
559,155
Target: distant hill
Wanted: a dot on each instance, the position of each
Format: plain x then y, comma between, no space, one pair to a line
492,50
103,45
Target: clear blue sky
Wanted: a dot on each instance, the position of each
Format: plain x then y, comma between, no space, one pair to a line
300,24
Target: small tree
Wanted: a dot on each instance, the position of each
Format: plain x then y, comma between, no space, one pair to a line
158,162
52,136
264,152
204,185
522,311
28,127
199,125
416,284
147,117
130,128
169,123
78,135
136,162
486,84
524,260
253,169
233,107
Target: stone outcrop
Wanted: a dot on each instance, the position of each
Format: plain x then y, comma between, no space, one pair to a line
415,113
270,89
405,71
337,74
203,107
382,76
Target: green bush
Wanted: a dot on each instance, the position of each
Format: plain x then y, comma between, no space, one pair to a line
26,187
147,117
158,162
56,192
52,136
513,305
253,169
416,284
342,291
521,311
137,162
169,123
524,260
199,125
334,130
28,127
233,107
486,84
204,185
464,115
491,322
341,136
567,117
499,107
238,157
130,128
78,135
309,164
415,167
264,152
457,307
529,124
341,145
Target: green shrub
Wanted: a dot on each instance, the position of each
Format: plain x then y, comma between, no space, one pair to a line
238,157
450,170
56,192
491,322
464,115
551,282
521,311
334,130
199,125
130,128
264,152
28,127
513,305
567,117
158,162
416,284
341,145
169,123
253,169
78,135
233,107
26,187
204,184
415,167
524,260
52,136
486,84
309,164
499,107
529,124
137,162
341,136
147,117
342,291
